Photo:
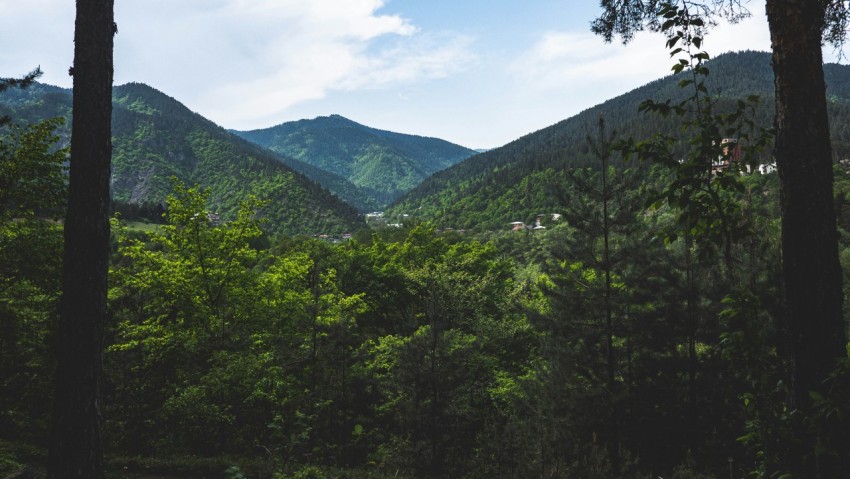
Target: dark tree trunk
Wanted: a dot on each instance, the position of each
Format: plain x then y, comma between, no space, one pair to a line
811,270
75,446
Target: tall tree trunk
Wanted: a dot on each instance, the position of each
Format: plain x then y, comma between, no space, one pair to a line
811,270
75,446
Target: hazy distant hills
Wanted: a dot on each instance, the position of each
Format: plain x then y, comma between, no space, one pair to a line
382,163
515,182
156,138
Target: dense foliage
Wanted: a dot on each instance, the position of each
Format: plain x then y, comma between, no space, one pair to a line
640,335
32,196
412,354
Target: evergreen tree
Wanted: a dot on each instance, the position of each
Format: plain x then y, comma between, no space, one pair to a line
24,82
811,271
591,281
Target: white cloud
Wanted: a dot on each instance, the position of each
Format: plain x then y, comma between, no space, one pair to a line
581,65
234,60
562,61
239,61
423,57
749,34
37,32
327,18
310,70
44,9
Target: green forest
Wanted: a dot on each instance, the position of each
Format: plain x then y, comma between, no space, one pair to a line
405,353
648,331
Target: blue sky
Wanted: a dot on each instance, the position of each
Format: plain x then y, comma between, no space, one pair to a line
480,73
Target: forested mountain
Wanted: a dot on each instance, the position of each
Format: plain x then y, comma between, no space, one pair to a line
156,138
516,182
383,163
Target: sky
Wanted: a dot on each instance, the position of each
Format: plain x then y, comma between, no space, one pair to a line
479,73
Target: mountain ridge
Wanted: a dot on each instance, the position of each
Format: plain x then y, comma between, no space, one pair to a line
516,181
155,138
384,163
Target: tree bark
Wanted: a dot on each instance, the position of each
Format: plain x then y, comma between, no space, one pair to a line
811,270
75,444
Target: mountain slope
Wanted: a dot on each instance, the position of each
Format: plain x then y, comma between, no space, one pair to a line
384,163
156,138
516,182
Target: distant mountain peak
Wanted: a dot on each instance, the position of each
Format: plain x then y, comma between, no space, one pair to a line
384,163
